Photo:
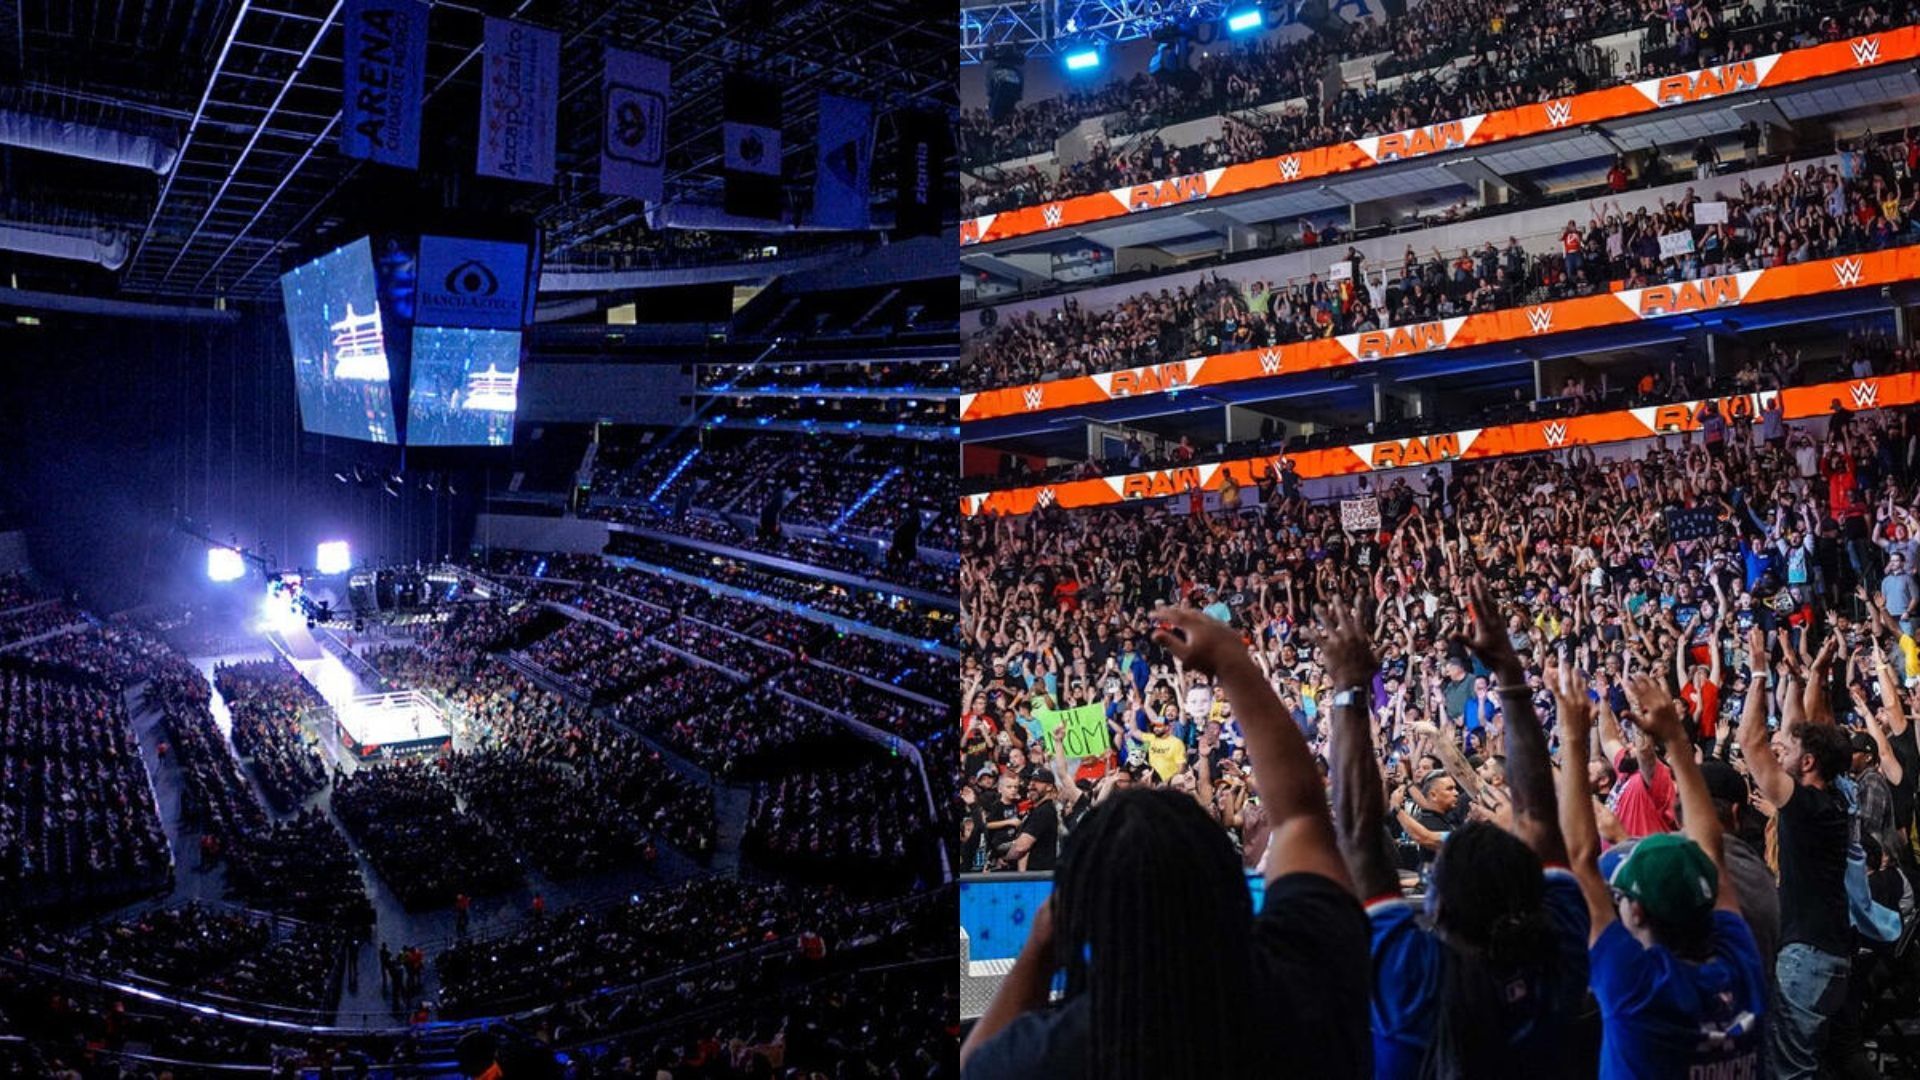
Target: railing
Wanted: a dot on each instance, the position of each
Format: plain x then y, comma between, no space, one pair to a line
1567,113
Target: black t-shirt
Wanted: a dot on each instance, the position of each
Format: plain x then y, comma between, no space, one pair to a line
1311,972
1813,866
1906,750
1043,824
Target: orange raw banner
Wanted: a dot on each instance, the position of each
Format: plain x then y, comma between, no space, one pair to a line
1440,335
1471,444
1647,95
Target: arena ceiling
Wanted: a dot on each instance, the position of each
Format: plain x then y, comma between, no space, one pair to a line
249,91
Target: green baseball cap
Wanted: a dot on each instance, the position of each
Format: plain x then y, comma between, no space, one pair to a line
1669,875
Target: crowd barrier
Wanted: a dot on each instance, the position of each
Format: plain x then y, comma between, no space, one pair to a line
1470,444
1691,297
1612,103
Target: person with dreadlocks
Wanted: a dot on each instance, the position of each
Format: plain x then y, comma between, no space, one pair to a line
1169,973
1490,980
1676,969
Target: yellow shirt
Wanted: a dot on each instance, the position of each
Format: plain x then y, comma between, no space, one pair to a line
1166,754
1911,653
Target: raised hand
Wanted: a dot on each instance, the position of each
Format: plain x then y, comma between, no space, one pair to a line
1569,691
1653,709
1200,641
1488,638
1345,644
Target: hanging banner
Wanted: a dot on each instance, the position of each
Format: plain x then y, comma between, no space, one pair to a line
843,164
751,130
519,101
923,141
473,283
633,132
386,66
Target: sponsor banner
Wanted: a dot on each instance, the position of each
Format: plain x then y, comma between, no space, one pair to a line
636,92
1612,103
385,54
922,147
1533,436
1485,328
750,133
519,101
1360,515
843,161
473,283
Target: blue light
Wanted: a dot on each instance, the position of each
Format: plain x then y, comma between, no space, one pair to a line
1083,60
1242,21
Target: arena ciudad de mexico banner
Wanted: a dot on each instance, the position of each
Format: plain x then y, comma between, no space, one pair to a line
1471,444
1612,103
1486,328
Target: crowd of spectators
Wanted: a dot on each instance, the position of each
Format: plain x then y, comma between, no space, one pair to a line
1867,201
208,952
405,817
926,726
116,655
747,656
1742,573
722,735
43,618
507,713
857,820
574,953
914,670
300,867
1511,57
546,810
78,819
273,711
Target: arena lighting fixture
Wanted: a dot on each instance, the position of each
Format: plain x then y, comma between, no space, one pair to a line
1082,60
1242,21
333,557
225,564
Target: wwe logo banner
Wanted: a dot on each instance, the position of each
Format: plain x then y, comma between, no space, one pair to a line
1540,319
1051,214
1270,360
1034,397
1865,394
1559,112
1847,272
1289,168
1045,498
1866,51
1555,433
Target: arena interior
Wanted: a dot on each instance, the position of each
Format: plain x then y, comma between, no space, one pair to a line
478,537
1606,304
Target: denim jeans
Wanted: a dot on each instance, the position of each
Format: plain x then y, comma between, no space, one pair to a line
1812,989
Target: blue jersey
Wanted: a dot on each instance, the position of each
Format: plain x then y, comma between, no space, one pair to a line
1664,1016
1409,978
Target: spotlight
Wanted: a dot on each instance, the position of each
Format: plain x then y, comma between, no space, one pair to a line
340,476
333,557
1083,60
1242,21
225,564
389,489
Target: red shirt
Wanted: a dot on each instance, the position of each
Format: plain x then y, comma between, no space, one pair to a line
1645,804
1704,700
1570,241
